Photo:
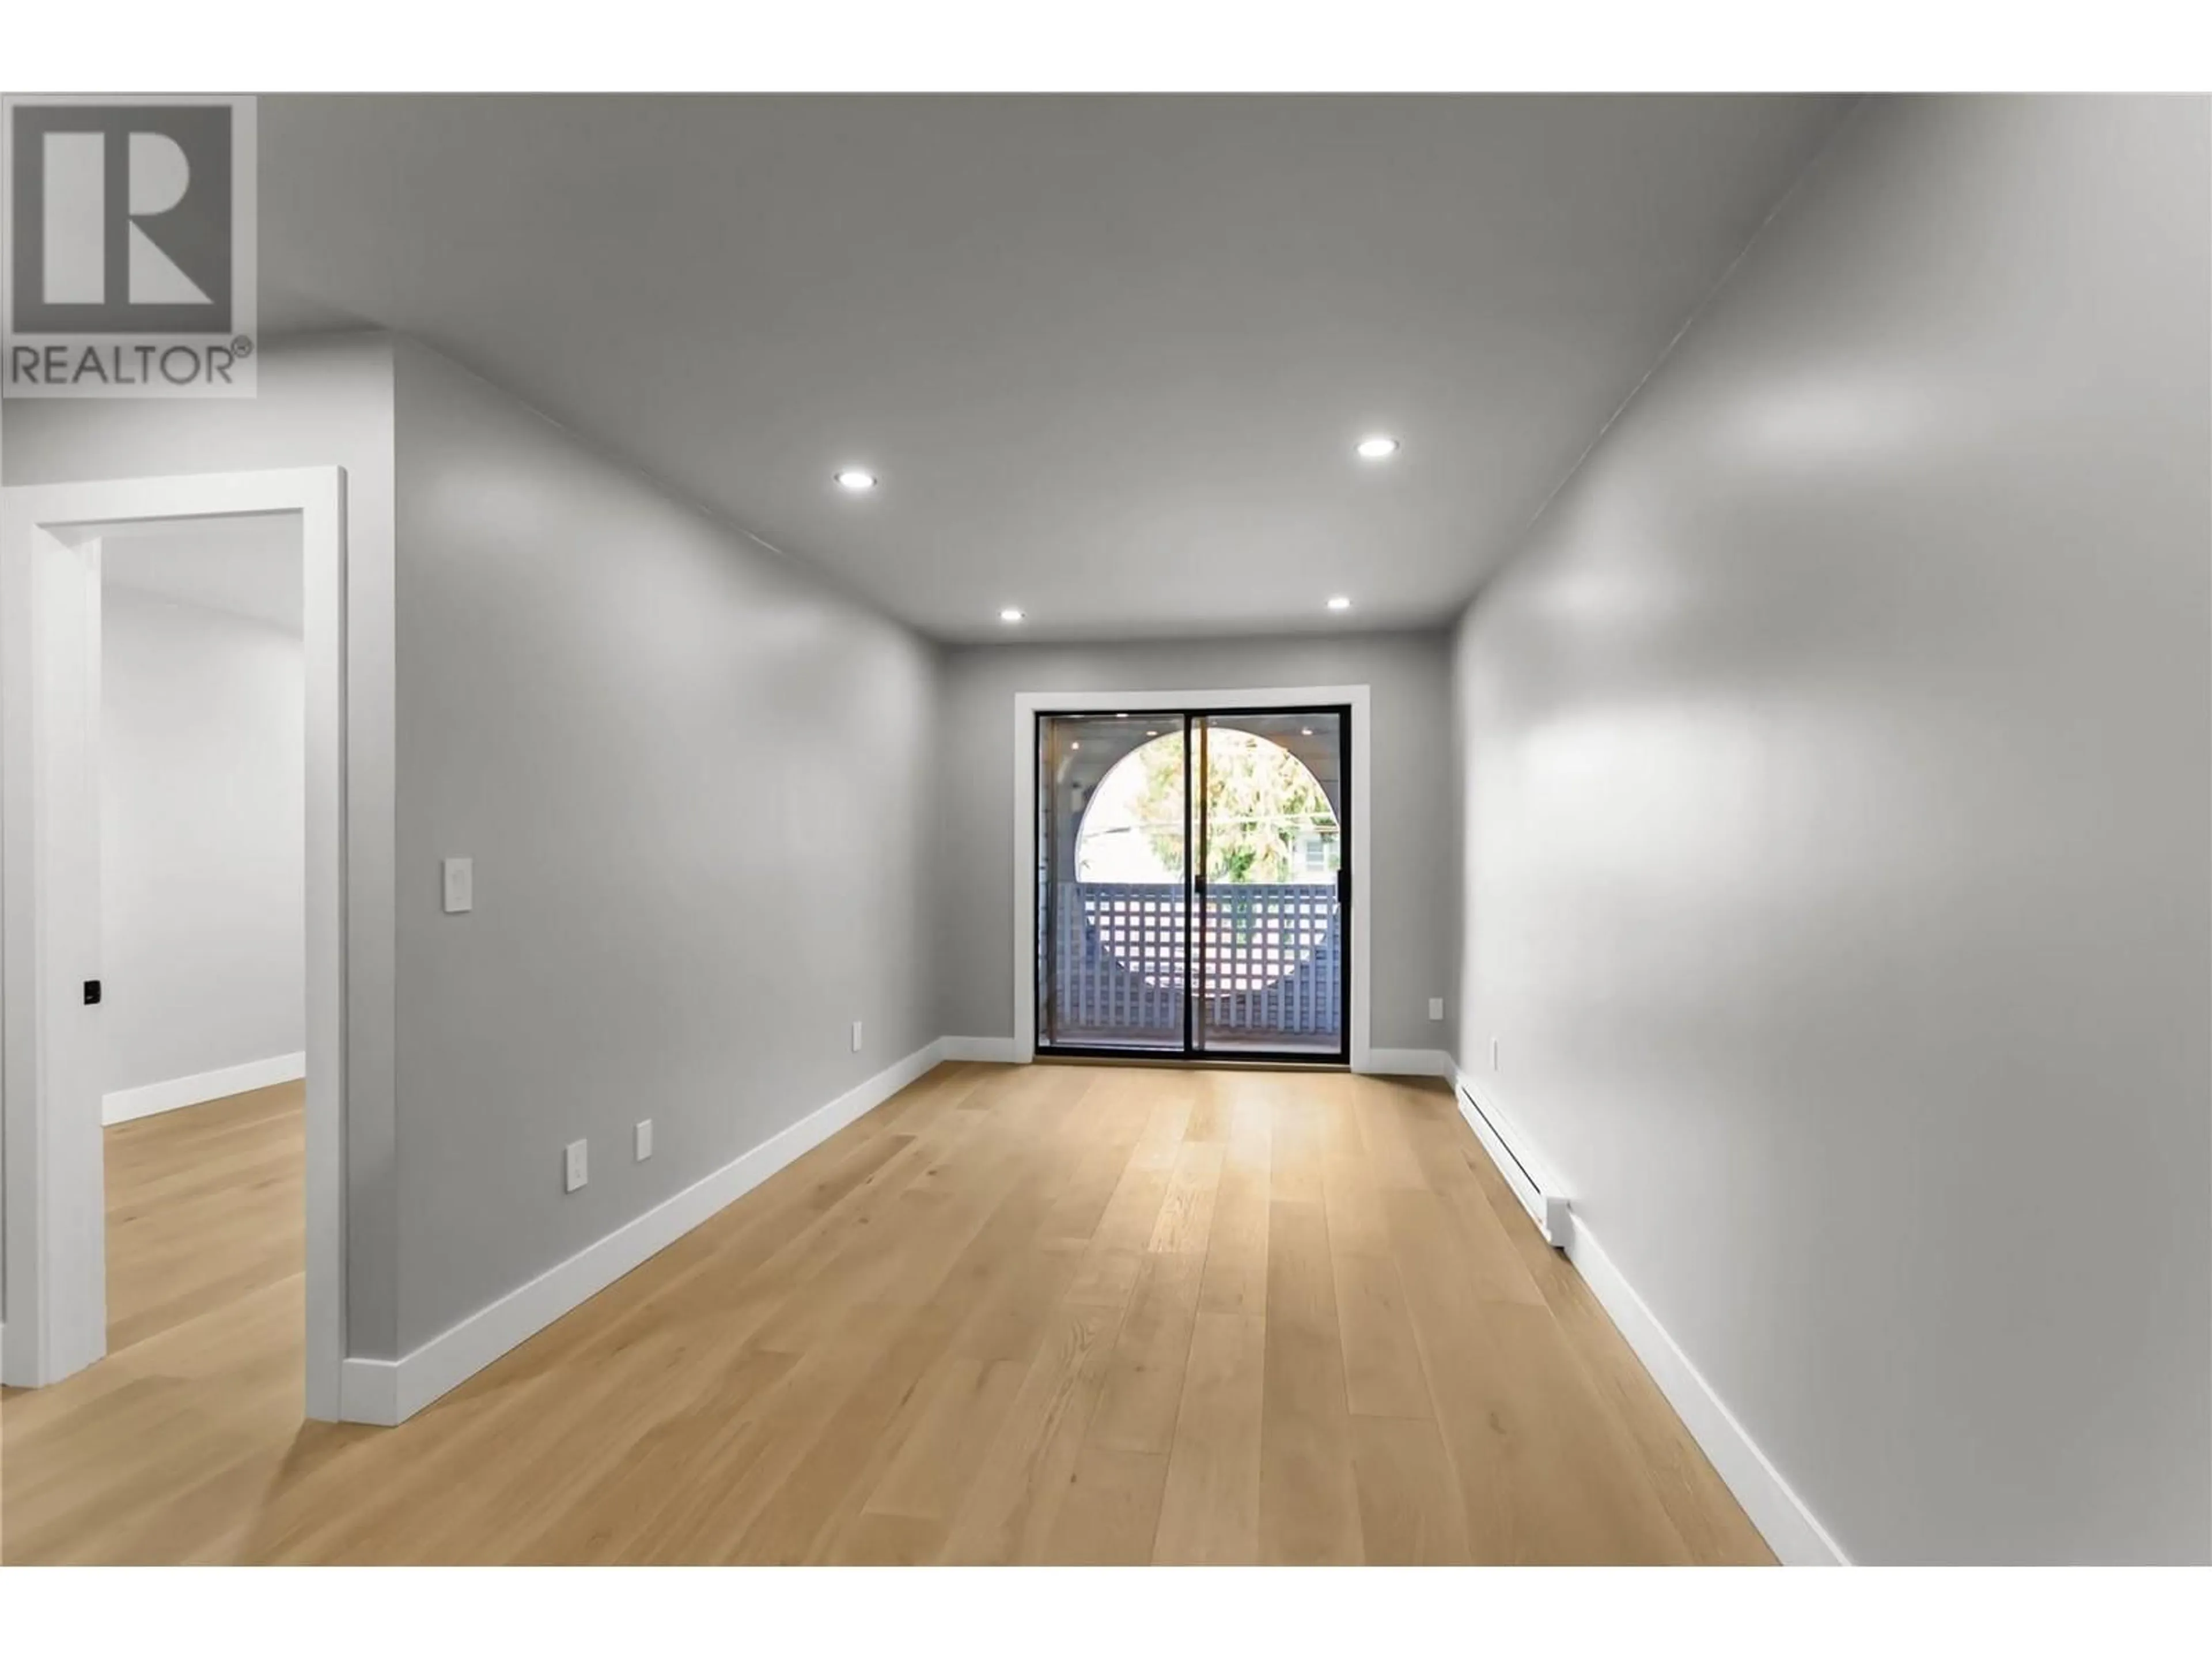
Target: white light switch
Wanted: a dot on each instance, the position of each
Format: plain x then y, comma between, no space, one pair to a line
856,1036
579,1168
644,1140
460,885
1435,1007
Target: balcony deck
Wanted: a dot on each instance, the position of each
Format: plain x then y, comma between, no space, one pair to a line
1271,970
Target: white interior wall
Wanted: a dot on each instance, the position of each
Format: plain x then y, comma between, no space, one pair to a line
202,800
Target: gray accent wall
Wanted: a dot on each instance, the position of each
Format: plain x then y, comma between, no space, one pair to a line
694,782
694,779
1412,836
1838,796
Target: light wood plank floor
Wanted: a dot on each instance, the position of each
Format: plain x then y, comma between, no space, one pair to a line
1021,1314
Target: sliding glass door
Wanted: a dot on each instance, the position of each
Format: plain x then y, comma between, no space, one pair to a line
1192,895
1270,898
1113,921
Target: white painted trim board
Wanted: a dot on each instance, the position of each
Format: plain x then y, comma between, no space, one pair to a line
1791,1530
1408,1062
998,1051
1797,1538
390,1391
122,1105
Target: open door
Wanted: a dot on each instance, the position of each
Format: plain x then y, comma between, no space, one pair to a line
1273,891
56,1217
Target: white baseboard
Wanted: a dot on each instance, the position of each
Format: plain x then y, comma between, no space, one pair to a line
1408,1062
994,1050
166,1096
368,1392
1790,1529
389,1391
1796,1539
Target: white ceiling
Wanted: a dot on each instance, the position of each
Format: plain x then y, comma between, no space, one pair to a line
1108,354
250,565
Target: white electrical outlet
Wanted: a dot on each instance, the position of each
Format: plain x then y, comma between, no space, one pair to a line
460,885
856,1036
1493,1053
578,1167
644,1140
1435,1007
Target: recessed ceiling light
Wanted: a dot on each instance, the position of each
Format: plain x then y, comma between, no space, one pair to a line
855,478
1376,447
1011,614
1152,734
1075,746
1338,602
1121,717
1305,731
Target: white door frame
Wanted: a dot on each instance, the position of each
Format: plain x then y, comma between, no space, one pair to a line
1029,704
55,1236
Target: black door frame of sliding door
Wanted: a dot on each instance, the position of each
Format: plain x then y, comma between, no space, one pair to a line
1194,1049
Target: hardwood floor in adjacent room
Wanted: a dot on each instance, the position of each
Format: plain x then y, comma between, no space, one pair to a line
1032,1314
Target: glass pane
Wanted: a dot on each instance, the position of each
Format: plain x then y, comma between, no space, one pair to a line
1272,929
1112,967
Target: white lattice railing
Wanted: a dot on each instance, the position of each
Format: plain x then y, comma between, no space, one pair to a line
1273,961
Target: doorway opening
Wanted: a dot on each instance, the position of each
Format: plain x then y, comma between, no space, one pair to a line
1194,883
202,753
172,759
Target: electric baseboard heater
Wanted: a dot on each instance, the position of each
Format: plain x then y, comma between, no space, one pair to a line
1551,1214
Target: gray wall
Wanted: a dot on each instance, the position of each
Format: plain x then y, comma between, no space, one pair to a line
1410,833
1838,808
693,781
693,784
322,402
